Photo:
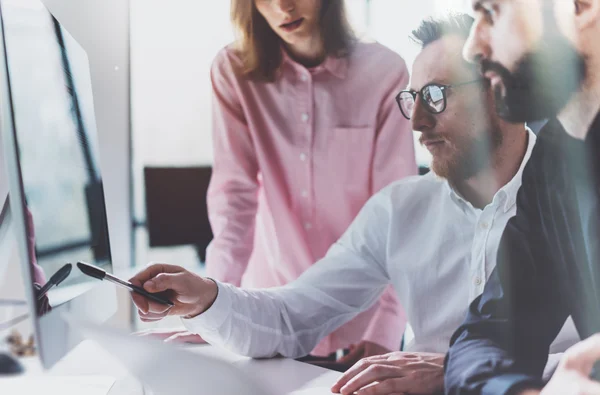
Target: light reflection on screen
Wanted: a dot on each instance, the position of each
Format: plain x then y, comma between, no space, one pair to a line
57,141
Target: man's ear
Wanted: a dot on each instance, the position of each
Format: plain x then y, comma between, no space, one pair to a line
587,13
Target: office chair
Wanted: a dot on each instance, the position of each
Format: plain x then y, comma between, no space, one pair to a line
176,212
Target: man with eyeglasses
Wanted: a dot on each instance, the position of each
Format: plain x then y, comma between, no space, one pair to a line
433,237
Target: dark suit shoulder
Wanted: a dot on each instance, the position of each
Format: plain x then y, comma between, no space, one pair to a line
546,155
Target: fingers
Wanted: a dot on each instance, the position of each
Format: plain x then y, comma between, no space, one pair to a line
157,334
171,335
350,373
355,370
152,311
142,277
387,387
165,281
582,356
355,355
140,301
185,337
151,316
374,373
153,271
162,333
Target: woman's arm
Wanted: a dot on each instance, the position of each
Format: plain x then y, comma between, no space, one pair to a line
232,194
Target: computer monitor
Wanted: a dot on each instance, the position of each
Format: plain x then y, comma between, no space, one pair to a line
55,184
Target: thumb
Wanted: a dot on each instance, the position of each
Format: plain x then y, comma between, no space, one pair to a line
163,282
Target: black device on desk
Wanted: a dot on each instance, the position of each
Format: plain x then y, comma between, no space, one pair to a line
96,272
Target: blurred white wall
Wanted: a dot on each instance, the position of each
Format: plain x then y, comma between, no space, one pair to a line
172,48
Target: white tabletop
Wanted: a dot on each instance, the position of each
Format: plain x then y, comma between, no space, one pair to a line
282,375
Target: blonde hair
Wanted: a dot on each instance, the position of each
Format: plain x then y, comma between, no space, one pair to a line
259,47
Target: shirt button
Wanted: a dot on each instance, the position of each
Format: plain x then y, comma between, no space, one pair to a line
484,225
477,281
307,226
302,157
304,117
303,77
304,193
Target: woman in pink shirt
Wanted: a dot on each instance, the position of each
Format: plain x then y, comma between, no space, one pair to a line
305,131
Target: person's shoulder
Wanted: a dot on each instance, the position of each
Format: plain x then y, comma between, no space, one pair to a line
370,53
548,146
542,170
414,188
405,199
226,60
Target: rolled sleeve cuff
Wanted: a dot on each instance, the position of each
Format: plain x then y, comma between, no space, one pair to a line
511,384
213,318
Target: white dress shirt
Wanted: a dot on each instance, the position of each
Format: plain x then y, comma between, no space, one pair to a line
435,248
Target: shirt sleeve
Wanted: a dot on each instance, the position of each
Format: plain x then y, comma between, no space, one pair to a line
394,159
291,320
394,155
232,193
503,345
387,325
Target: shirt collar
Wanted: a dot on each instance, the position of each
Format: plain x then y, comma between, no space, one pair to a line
338,66
512,188
509,191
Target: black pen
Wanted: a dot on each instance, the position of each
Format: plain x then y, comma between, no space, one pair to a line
56,279
100,274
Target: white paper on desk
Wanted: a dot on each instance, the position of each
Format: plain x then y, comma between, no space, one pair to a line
56,385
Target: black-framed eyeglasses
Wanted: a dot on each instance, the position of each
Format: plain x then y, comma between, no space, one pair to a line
433,96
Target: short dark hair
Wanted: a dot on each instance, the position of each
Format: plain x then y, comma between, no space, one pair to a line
432,29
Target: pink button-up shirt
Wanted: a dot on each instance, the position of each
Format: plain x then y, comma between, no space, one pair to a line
294,162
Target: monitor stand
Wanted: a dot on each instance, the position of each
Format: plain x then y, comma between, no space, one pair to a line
9,365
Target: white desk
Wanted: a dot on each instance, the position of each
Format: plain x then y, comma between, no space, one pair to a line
282,375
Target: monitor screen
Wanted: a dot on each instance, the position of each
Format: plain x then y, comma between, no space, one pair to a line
53,146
